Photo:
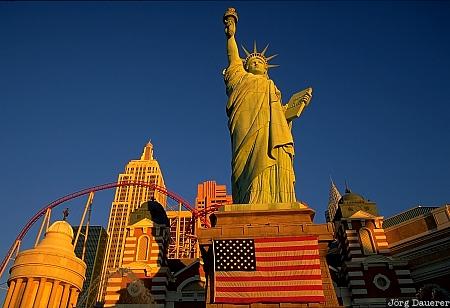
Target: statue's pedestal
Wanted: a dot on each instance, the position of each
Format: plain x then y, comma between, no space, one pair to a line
252,221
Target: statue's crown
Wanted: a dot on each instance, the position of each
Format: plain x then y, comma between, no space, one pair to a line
259,55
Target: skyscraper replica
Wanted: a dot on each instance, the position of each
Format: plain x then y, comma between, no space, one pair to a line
126,200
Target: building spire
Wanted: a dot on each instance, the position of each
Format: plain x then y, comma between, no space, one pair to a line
333,200
147,154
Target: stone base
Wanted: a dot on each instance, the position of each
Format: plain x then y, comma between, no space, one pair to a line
267,220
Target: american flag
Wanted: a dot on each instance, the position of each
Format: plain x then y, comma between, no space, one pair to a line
276,269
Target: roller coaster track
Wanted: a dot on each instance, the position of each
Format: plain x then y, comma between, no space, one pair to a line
196,214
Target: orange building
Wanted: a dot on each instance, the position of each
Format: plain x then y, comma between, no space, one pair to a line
209,195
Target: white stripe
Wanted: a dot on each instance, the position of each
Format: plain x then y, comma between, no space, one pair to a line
407,290
359,291
269,283
288,253
113,289
353,274
287,263
354,245
272,274
271,294
286,244
127,259
357,283
402,272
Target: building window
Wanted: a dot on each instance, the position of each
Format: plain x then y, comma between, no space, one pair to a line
381,282
142,248
366,241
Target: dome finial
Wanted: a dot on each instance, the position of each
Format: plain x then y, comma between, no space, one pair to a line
347,189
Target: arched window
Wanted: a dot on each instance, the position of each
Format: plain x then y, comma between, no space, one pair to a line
366,241
142,248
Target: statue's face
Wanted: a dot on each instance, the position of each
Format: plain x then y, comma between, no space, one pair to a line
256,66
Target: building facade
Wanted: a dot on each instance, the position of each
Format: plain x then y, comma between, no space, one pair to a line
126,200
93,255
421,236
148,278
209,196
365,272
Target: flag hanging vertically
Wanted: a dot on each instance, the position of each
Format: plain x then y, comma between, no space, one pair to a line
277,270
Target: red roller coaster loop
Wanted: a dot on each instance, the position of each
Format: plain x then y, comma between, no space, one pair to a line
86,191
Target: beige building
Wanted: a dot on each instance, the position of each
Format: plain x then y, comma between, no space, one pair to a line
48,275
183,241
126,200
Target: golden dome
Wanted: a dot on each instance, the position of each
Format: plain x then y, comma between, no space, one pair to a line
59,236
61,226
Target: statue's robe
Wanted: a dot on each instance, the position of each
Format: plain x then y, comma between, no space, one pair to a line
261,139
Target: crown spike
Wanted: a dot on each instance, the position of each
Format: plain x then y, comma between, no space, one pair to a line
272,65
265,49
245,50
271,57
254,47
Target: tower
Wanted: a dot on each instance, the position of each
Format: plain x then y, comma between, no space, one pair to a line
333,200
48,275
126,200
367,272
143,279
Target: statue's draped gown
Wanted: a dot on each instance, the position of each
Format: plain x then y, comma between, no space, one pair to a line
261,139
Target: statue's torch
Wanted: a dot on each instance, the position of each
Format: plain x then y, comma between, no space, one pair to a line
230,13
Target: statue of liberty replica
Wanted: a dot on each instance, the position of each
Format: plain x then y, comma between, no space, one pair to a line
259,124
255,250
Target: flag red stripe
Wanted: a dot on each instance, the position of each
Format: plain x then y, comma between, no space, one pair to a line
285,239
288,299
268,278
268,288
288,268
286,248
287,258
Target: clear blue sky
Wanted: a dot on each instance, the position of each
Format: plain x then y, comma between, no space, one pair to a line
83,87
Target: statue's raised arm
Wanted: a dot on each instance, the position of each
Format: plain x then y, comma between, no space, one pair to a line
230,19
